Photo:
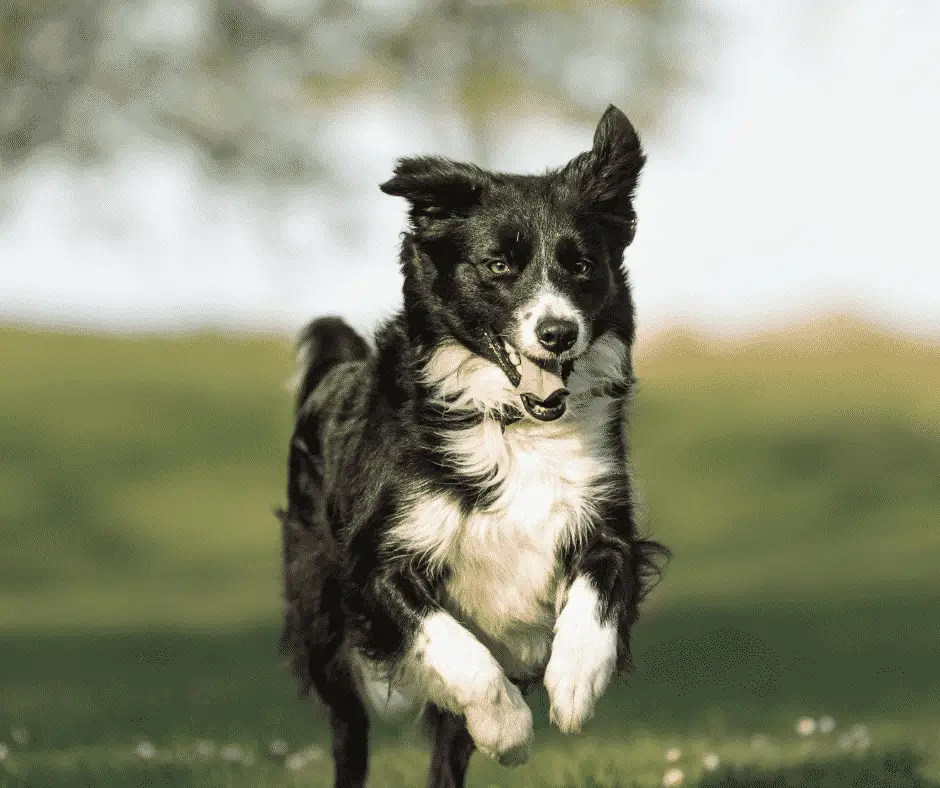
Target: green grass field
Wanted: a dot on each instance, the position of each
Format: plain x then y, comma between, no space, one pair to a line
796,478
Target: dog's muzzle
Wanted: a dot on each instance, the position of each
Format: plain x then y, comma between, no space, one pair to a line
541,386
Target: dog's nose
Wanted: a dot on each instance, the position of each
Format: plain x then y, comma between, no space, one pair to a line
556,334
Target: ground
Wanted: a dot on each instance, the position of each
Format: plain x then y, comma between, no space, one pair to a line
794,477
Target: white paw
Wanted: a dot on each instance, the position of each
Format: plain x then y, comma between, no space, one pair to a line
584,655
459,673
574,685
501,723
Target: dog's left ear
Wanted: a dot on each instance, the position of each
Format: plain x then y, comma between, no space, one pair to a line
436,187
606,176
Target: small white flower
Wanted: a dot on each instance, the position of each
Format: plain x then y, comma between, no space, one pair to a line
673,754
4,751
146,750
231,753
278,747
295,762
826,724
806,726
314,753
673,777
205,748
711,762
20,736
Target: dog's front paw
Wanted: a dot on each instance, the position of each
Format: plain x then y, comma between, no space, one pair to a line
575,678
501,724
584,655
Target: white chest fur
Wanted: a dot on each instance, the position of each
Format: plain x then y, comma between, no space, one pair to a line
502,559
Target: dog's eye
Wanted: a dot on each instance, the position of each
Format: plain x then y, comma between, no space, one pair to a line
499,266
582,266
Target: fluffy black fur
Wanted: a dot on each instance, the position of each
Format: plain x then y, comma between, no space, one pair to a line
367,426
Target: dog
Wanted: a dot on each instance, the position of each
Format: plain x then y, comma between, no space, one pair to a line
461,522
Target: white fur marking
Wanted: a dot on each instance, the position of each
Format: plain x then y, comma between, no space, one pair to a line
385,697
550,303
471,380
431,528
584,654
457,669
457,672
548,479
503,590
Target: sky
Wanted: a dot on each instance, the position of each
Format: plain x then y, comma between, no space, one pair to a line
801,178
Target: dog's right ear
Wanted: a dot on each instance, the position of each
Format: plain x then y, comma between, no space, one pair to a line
437,187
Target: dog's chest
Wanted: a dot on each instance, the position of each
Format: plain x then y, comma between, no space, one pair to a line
503,559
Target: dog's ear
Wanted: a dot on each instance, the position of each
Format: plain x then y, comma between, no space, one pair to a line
606,176
437,187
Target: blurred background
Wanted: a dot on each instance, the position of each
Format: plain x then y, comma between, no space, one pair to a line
183,183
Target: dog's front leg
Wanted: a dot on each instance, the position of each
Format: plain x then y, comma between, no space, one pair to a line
459,673
583,658
592,632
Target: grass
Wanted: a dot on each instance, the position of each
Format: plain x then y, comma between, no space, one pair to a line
794,476
592,766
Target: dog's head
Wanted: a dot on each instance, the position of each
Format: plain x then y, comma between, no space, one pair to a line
522,269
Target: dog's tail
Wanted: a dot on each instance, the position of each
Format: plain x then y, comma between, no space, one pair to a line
324,343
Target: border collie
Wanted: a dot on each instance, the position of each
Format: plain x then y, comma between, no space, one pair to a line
460,524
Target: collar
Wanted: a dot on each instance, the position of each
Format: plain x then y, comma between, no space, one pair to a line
614,389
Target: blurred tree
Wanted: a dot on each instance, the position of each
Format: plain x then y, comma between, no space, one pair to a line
246,82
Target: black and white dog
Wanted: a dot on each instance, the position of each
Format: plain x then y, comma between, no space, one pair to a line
460,522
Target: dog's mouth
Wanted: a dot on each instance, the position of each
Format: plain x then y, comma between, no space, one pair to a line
546,410
541,384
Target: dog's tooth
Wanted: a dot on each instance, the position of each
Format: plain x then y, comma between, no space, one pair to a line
514,356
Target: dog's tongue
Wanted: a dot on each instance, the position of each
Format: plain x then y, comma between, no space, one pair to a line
538,381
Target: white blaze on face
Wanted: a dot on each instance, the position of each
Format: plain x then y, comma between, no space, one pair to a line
549,303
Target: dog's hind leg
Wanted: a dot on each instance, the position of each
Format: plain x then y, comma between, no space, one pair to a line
350,728
452,748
